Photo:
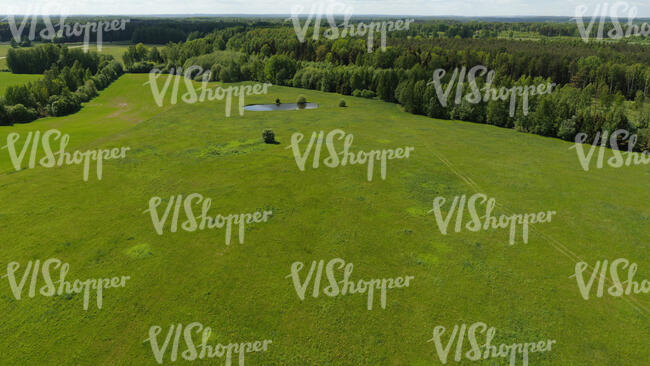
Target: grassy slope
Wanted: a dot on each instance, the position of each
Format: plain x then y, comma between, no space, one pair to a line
380,226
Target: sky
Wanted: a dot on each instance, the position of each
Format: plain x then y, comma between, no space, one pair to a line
354,7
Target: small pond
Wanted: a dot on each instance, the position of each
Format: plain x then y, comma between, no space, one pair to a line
280,107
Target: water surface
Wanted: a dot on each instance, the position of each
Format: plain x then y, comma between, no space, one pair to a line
280,107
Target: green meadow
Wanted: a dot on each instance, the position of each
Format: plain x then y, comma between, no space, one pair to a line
8,79
115,50
384,227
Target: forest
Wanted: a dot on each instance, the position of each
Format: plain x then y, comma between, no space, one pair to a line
70,78
601,85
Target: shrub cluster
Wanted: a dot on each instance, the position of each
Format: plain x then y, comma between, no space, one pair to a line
37,60
365,93
269,136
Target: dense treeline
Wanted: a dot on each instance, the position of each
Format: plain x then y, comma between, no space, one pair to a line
595,80
38,59
68,81
165,31
510,28
161,31
563,113
622,67
136,30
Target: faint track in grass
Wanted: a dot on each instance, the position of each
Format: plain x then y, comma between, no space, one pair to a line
557,244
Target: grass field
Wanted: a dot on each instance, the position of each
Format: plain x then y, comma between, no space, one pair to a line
4,48
383,227
115,50
8,79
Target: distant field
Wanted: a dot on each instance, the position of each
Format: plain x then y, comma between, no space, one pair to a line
383,227
115,50
7,79
4,48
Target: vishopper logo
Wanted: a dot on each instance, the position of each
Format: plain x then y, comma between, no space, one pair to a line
58,158
479,352
601,13
204,93
18,19
619,159
52,30
487,92
202,350
617,288
346,156
345,286
333,9
65,287
205,221
488,220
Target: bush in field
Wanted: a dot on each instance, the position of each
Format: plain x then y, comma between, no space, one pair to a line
228,75
342,103
82,95
644,119
64,104
215,71
19,94
194,73
107,74
101,81
142,67
87,91
21,114
90,88
4,120
280,69
643,140
135,54
277,101
269,136
302,100
567,129
365,93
